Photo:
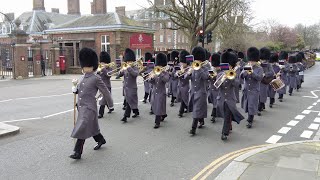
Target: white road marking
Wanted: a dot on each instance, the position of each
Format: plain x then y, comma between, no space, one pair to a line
55,114
273,139
314,126
306,134
315,96
314,104
18,120
306,112
284,130
292,123
300,117
6,100
310,107
317,120
318,100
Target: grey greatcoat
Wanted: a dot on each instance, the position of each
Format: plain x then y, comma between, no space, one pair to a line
87,122
198,92
173,83
213,91
271,92
130,86
183,90
147,85
269,73
300,75
250,95
284,78
158,94
106,79
237,85
227,97
292,76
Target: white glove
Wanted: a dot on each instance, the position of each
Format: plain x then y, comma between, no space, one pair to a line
74,82
74,89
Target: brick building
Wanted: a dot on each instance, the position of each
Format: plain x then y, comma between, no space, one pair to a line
51,34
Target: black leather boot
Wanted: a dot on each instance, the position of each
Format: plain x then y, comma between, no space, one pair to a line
192,131
75,156
98,146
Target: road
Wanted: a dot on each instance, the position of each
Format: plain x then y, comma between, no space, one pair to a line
42,108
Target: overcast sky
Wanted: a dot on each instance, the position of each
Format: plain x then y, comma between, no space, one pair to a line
288,12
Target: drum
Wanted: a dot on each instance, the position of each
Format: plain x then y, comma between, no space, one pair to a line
277,84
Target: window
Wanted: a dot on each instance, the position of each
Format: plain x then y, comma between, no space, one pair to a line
147,25
169,24
154,38
146,15
138,53
161,38
182,39
105,43
169,38
4,29
46,54
179,36
161,14
160,25
153,25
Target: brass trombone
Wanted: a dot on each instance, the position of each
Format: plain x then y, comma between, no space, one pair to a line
230,74
196,65
155,72
109,65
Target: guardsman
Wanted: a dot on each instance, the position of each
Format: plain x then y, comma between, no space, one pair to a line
104,60
158,96
174,56
130,75
198,92
242,64
147,58
169,91
292,74
300,70
226,100
213,91
251,91
283,57
184,83
274,59
268,75
87,122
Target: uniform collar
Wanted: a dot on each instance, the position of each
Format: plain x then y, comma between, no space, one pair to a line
86,75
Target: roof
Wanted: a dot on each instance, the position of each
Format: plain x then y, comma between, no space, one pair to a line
102,22
37,21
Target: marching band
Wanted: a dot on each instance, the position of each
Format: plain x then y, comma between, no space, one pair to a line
192,80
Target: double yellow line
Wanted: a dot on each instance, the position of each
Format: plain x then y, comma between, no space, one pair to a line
208,170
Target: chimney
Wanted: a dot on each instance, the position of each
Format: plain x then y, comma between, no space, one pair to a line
74,7
38,5
100,6
10,17
121,10
158,2
55,10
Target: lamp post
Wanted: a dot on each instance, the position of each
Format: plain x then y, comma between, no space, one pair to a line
203,20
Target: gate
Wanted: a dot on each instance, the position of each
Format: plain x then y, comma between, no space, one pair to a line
6,61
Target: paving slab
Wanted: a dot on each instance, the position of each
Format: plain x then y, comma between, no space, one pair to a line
264,172
292,174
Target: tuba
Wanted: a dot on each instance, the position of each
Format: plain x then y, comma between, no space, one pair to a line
230,74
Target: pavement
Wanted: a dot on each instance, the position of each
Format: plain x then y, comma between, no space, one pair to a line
43,110
294,161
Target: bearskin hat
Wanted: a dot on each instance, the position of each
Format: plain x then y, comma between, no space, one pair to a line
161,59
88,58
168,57
182,56
292,59
174,56
240,55
253,54
215,60
283,55
147,56
199,53
229,57
299,58
302,55
105,57
274,58
129,55
208,55
265,53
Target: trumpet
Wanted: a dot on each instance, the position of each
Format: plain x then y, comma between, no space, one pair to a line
230,74
183,71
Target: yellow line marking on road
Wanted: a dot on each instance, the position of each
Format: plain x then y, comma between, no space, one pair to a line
223,159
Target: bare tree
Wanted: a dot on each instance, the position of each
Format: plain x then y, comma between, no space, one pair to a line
187,15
